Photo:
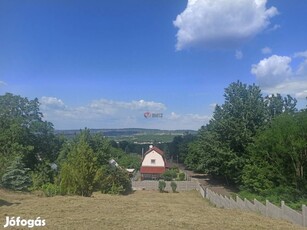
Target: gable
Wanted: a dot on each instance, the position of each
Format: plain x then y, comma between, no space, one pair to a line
153,159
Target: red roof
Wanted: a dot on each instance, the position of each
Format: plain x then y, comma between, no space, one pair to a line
156,149
152,170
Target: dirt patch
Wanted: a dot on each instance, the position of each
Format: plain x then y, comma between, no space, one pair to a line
218,185
140,210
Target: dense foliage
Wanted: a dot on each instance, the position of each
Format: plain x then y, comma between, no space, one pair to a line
32,157
257,143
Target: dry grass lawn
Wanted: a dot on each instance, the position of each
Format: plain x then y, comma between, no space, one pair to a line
140,210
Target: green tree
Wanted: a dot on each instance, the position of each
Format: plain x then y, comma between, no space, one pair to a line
22,130
278,158
79,171
16,176
277,105
221,145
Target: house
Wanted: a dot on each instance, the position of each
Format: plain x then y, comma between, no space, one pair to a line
153,164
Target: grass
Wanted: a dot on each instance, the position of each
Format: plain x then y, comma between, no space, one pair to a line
140,210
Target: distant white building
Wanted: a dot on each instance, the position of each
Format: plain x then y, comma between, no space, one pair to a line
153,164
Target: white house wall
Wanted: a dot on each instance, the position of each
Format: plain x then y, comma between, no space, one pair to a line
153,155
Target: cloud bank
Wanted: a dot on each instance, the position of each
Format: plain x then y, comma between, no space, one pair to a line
104,113
221,23
276,74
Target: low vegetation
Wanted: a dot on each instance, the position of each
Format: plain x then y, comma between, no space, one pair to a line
140,210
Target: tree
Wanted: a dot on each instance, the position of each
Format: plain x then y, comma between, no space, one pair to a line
278,158
16,176
79,172
221,146
22,130
277,105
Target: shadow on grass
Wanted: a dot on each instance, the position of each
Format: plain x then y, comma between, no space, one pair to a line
6,203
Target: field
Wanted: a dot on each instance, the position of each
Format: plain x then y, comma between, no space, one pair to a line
140,210
132,134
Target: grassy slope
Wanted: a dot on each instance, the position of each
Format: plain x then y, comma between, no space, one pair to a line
141,210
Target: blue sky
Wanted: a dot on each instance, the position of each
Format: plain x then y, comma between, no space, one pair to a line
102,64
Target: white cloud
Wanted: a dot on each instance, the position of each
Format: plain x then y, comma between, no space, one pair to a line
221,23
174,116
301,54
184,121
275,27
51,102
98,113
276,75
110,105
213,105
239,54
2,84
105,113
272,70
266,50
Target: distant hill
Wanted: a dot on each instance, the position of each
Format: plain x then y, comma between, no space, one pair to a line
136,135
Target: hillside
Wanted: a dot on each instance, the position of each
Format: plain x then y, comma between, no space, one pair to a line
140,210
137,135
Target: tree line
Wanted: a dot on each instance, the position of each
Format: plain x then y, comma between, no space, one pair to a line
32,157
257,143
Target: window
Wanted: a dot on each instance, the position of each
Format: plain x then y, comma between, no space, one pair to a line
153,161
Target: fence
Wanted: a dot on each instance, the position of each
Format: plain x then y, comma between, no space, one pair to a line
270,210
154,185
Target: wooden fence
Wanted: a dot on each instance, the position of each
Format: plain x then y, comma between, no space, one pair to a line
270,210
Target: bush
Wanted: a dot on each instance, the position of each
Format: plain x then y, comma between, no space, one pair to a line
115,181
78,172
169,175
51,189
42,175
181,176
162,185
175,169
174,186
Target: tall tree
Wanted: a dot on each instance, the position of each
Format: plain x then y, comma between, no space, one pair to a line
223,142
276,105
24,131
279,155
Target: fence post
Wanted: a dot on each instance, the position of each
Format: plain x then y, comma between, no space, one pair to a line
304,212
266,208
282,209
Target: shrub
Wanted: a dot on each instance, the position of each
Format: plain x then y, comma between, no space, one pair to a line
42,175
162,185
115,181
78,173
169,175
51,189
181,176
174,186
175,169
